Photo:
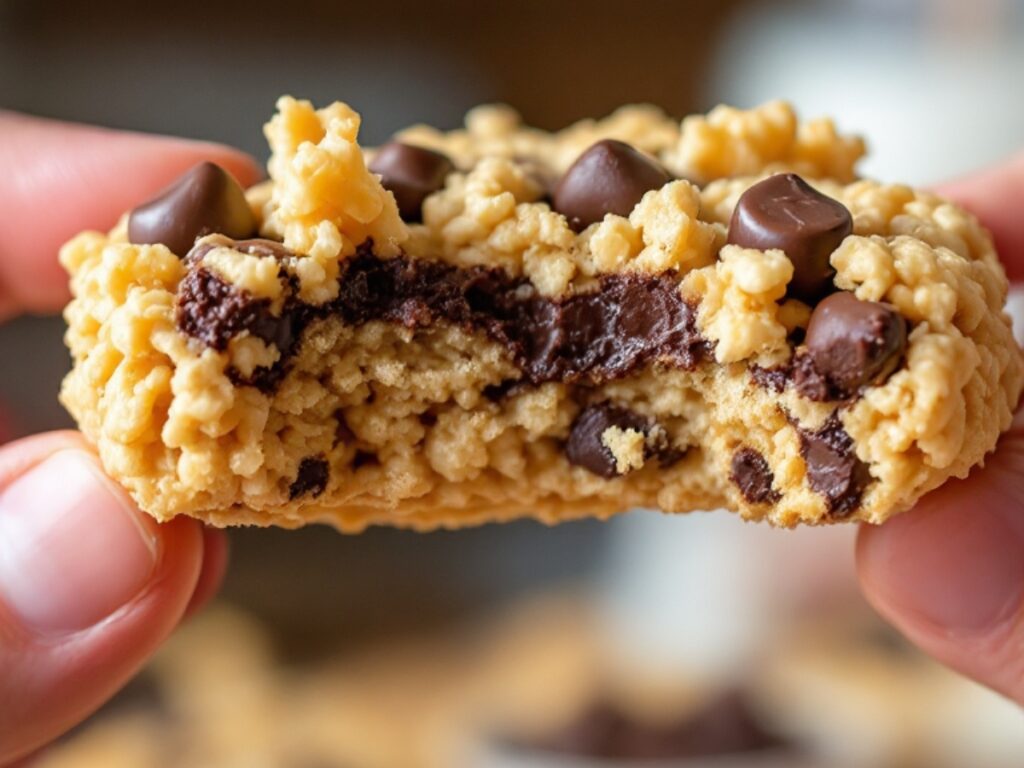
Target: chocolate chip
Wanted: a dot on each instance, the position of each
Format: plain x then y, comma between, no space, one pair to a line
724,726
774,378
205,200
311,478
853,343
585,448
833,469
668,455
610,177
410,174
753,476
786,213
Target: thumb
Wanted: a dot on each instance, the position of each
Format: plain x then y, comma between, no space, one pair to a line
950,573
89,587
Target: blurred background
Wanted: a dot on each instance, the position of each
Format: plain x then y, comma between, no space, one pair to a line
702,605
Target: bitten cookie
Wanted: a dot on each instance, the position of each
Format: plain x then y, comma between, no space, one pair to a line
496,321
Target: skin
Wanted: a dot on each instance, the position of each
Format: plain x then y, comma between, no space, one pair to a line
949,574
60,179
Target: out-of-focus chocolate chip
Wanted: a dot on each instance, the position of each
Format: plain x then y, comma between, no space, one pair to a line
786,213
833,469
609,177
753,476
410,173
205,200
726,726
311,478
853,343
585,448
669,455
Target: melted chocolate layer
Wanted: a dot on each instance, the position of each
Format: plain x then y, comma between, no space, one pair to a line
629,321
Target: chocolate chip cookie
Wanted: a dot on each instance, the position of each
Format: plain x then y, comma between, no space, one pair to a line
496,321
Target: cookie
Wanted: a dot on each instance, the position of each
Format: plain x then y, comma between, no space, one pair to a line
497,321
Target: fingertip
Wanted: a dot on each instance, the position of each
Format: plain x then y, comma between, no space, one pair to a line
215,562
953,564
54,675
991,194
949,574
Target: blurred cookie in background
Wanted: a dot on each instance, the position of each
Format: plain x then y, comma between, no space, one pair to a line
535,686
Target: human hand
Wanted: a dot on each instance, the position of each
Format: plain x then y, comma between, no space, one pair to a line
950,573
89,586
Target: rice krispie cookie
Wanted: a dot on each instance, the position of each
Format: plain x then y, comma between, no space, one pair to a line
498,321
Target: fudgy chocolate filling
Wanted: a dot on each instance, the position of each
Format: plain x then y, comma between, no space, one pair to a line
629,321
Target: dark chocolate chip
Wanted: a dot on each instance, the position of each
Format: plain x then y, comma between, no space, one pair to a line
808,380
585,448
725,726
833,469
428,418
668,455
610,177
410,173
311,478
770,378
786,213
753,477
204,201
853,343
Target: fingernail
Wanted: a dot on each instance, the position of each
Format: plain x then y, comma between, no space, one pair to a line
73,546
958,567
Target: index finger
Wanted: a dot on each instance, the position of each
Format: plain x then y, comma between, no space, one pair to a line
994,195
61,178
